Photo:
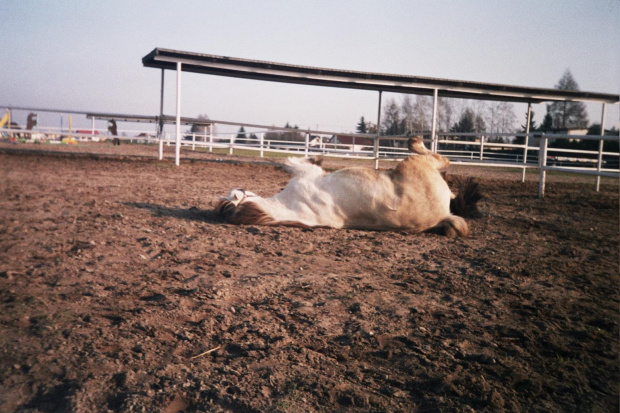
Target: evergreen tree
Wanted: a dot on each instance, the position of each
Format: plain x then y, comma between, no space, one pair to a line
520,140
469,122
547,123
241,134
362,126
532,123
466,123
568,115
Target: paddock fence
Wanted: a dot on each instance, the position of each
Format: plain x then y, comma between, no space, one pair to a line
496,150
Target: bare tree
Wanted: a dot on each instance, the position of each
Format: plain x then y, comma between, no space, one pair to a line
445,114
407,109
391,124
423,113
201,130
500,118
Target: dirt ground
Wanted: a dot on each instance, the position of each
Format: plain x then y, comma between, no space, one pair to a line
119,292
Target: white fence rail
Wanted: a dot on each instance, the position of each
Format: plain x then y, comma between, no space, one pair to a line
475,149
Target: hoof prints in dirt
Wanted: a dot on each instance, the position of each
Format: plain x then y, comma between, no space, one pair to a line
124,295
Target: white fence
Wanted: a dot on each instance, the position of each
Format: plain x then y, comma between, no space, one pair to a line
476,149
596,168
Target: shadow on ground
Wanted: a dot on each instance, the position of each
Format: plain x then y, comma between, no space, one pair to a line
190,214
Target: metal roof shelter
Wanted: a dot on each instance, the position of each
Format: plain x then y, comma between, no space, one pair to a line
279,72
146,119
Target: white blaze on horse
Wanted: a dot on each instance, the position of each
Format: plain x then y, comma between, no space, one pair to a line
413,197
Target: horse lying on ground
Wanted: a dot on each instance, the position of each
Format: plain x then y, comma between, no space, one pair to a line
413,196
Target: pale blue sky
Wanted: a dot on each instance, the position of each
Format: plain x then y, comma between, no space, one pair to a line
87,55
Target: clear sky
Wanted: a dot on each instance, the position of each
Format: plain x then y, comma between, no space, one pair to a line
86,55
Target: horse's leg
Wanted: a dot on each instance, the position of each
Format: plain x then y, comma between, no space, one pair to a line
453,226
416,145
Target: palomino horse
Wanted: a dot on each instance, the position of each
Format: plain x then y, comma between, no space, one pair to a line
413,196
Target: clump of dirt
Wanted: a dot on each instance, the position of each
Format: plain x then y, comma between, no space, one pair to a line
118,291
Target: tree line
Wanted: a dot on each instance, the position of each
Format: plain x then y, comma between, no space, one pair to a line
413,115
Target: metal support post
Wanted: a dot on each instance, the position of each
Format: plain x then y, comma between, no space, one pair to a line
160,129
376,149
599,164
434,145
177,152
527,139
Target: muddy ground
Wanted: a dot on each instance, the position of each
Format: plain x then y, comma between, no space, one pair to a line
119,292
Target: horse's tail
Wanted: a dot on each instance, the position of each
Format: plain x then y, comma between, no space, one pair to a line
467,196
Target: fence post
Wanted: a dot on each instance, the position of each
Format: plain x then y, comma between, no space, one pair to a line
177,149
481,146
527,135
210,138
599,164
527,142
161,146
232,142
193,141
307,144
160,121
262,141
376,152
542,163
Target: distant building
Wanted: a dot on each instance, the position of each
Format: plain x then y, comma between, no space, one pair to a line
577,132
352,143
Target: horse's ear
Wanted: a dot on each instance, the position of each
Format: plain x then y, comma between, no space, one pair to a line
316,160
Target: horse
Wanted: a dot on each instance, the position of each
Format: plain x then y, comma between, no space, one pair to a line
31,122
412,197
116,141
